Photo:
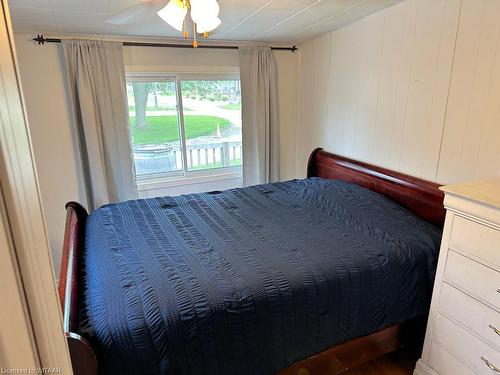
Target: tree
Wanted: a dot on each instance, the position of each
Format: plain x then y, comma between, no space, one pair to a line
141,93
208,89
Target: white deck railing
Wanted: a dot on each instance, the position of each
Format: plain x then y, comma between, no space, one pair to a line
168,157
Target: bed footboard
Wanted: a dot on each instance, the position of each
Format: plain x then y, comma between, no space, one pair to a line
83,357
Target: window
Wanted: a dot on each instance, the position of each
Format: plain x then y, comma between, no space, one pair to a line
183,125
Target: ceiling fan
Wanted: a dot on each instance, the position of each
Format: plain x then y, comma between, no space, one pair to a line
204,15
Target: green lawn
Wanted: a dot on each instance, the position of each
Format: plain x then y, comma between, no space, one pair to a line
231,106
164,128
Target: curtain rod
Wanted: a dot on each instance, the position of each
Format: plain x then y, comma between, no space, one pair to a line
42,40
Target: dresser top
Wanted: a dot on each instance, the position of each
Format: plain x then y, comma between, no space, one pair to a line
482,191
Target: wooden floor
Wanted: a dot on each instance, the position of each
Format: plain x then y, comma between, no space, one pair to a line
392,364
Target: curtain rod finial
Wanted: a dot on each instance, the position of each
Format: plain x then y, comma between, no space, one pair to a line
40,39
293,49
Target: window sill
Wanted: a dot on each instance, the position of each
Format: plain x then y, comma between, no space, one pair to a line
192,178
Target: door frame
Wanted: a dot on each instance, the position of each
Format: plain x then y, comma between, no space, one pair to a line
41,341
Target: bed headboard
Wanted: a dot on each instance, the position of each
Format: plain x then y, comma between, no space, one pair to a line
419,196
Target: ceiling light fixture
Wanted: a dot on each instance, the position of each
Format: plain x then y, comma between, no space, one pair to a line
204,15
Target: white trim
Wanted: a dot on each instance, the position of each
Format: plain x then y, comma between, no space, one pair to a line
179,174
190,179
204,75
182,128
179,69
24,211
14,314
150,76
423,369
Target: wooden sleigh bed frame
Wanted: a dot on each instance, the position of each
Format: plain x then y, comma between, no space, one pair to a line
419,196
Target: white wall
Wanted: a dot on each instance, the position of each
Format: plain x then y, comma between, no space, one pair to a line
415,87
57,161
288,85
471,139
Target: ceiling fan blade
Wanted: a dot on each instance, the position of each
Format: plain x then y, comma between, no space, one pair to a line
127,15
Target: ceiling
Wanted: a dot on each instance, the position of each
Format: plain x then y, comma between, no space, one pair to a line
283,21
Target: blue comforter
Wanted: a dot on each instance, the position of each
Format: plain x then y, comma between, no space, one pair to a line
249,281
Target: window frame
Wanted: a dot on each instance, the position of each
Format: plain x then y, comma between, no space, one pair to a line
183,176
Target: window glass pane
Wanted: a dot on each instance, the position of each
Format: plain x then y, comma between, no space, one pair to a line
212,123
154,126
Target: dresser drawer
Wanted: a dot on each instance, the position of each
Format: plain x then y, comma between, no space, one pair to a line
446,364
472,314
472,277
476,240
462,344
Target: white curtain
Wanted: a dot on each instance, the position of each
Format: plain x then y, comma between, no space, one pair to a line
260,115
96,79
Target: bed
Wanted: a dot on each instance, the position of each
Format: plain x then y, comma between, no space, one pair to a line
292,277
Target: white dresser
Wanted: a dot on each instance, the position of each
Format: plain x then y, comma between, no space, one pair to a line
463,332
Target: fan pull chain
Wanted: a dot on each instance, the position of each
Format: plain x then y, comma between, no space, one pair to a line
195,41
185,33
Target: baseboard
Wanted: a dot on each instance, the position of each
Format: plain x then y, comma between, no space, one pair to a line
423,369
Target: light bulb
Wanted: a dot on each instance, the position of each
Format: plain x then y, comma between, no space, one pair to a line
208,25
174,14
204,9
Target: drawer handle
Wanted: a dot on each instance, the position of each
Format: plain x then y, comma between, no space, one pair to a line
490,365
495,329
